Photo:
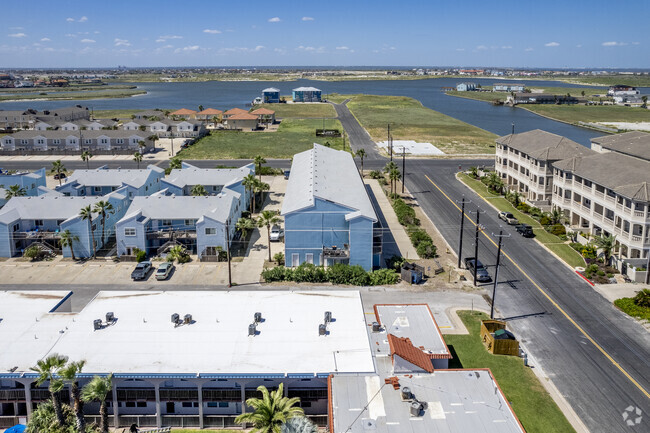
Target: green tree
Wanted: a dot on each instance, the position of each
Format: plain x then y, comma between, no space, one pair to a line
607,244
555,216
644,98
103,208
361,154
48,370
153,138
473,172
142,144
58,169
69,374
259,160
97,390
86,213
200,107
198,190
67,239
267,219
299,424
494,182
15,191
261,187
137,157
178,253
271,411
249,183
85,157
175,163
43,419
32,252
245,225
394,176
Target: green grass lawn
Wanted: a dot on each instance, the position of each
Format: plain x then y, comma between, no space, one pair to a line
531,402
110,114
301,111
293,136
590,113
552,242
410,120
95,94
610,80
628,306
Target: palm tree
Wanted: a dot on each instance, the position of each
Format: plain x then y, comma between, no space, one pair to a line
361,154
175,163
299,424
86,213
153,139
69,374
249,183
644,98
494,182
606,243
142,145
48,370
85,157
98,389
67,239
103,208
137,157
198,190
244,225
15,191
556,216
261,187
391,165
58,168
267,219
200,107
271,411
259,160
473,172
394,176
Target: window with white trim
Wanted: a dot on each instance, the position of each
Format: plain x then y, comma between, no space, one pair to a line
210,230
129,231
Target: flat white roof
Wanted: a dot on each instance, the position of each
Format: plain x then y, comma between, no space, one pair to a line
143,341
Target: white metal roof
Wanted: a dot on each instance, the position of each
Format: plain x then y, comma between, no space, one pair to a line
113,177
306,89
330,175
143,340
190,175
46,207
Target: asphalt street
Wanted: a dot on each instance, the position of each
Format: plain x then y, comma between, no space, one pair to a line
559,318
359,137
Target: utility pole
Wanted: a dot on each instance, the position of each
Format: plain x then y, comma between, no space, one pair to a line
513,128
496,273
228,246
390,143
478,231
462,223
171,135
403,168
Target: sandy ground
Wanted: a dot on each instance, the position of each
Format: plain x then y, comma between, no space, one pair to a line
412,147
636,126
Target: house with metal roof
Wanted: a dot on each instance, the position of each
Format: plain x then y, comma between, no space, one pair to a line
202,224
17,119
64,114
102,180
108,141
28,220
306,94
271,95
214,180
242,121
31,182
328,215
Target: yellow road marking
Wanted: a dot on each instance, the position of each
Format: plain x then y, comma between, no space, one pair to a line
547,296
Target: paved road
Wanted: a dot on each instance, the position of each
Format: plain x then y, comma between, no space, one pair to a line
201,163
359,137
597,390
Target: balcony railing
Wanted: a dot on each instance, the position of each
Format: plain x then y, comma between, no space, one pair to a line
172,234
336,253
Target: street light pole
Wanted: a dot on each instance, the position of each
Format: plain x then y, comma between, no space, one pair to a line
478,230
496,273
403,168
228,246
462,223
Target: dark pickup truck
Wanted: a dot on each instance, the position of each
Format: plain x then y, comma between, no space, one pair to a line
141,271
525,230
481,273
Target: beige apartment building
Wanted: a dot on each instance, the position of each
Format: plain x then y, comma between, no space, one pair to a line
524,162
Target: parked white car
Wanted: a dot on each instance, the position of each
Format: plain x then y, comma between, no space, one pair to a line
276,233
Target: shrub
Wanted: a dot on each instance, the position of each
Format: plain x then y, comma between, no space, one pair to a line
535,212
610,275
405,213
375,174
629,306
426,250
485,180
588,252
577,246
558,229
395,262
140,255
418,236
278,273
269,171
383,276
32,252
309,273
383,181
279,258
545,221
524,207
642,299
600,273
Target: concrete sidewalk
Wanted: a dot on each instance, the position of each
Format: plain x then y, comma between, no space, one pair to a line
402,240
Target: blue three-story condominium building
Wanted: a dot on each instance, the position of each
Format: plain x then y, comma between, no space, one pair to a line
329,217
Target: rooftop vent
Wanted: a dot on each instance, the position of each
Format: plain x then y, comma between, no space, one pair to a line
322,329
187,319
328,316
97,324
376,327
176,319
252,329
257,317
110,317
406,393
415,408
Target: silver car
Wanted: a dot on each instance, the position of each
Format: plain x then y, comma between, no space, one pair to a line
276,233
164,270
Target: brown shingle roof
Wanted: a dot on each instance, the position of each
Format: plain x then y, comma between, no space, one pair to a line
182,112
210,111
262,111
234,111
242,116
403,348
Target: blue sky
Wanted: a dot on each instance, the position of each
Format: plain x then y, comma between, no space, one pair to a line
559,34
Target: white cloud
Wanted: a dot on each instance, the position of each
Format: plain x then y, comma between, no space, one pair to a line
16,28
579,46
45,39
164,38
552,44
87,41
635,43
83,19
481,47
529,49
274,20
506,47
80,20
212,31
191,48
344,48
614,44
307,19
70,20
122,42
161,40
96,32
70,35
17,35
460,49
